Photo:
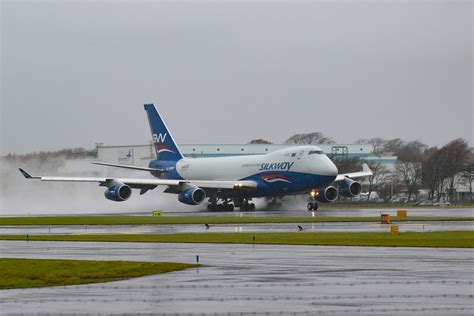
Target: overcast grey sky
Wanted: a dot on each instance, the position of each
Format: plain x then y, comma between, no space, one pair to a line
78,72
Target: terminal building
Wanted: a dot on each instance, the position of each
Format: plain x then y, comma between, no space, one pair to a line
140,155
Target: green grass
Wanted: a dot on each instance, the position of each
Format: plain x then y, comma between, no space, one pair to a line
347,205
27,273
451,239
146,220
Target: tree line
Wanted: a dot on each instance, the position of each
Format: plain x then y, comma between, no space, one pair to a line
438,170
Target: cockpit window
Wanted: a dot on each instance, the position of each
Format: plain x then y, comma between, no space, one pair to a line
293,154
315,152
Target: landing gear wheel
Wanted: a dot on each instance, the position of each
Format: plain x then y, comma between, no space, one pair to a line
211,207
310,206
252,207
315,206
229,207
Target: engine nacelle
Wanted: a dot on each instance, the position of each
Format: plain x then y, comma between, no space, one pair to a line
192,196
350,188
118,192
327,194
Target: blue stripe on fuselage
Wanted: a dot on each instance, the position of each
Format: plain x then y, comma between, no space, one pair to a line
297,182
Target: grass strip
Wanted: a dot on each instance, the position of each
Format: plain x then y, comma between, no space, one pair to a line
166,220
449,239
27,273
374,205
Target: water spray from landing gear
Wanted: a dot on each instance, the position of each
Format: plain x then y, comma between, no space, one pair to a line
274,203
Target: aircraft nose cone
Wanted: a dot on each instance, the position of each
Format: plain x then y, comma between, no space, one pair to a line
332,169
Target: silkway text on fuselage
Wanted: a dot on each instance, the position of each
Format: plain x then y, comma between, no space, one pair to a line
276,166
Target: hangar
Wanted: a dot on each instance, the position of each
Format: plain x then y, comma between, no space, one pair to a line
140,155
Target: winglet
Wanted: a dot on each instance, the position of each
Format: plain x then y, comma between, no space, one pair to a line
27,175
365,167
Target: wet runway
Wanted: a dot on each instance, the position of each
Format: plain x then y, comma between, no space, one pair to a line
322,212
230,228
258,279
337,212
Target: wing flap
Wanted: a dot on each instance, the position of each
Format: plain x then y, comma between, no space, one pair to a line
127,167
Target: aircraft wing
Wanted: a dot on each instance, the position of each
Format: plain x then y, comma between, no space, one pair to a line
366,172
150,183
127,167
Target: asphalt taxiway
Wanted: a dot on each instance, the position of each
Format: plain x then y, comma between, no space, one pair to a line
257,279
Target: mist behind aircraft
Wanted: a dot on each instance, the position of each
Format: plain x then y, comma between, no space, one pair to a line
20,197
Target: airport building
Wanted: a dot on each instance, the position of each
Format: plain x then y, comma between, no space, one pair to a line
140,155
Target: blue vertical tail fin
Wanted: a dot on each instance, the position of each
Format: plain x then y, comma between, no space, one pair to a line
165,147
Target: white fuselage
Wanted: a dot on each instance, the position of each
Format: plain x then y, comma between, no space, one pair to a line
294,159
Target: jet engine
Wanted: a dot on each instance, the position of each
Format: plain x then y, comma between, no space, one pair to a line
350,188
118,192
327,194
192,196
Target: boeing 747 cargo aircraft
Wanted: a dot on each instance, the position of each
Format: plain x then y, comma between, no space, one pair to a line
228,182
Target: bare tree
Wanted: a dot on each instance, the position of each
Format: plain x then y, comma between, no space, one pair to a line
457,152
379,173
388,187
441,168
393,145
310,138
377,142
409,166
410,174
430,171
260,141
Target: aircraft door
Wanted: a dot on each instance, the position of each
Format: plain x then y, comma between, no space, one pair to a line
300,154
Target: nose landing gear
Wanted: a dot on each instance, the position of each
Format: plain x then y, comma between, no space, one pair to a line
312,206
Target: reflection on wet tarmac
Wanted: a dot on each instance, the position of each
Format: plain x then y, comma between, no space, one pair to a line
262,279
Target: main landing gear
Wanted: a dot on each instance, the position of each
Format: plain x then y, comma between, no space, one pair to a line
246,206
312,206
226,205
